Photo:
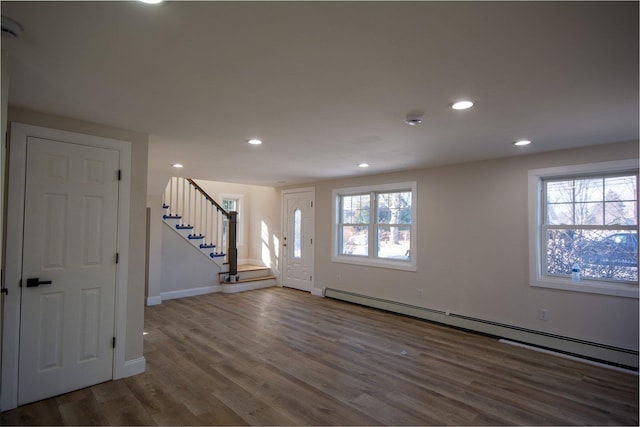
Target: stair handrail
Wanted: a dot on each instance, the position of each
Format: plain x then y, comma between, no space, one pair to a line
208,197
232,216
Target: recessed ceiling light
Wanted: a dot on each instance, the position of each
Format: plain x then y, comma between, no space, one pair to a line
522,142
363,165
462,105
254,141
178,165
151,1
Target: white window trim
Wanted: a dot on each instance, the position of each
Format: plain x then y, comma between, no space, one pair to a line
535,220
371,261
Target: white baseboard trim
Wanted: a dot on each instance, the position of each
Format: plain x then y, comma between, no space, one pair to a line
581,348
225,288
183,293
134,367
567,356
319,292
154,300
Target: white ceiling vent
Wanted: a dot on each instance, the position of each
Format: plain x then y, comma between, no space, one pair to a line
414,118
10,28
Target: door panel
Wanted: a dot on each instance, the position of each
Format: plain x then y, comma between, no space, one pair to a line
70,227
50,336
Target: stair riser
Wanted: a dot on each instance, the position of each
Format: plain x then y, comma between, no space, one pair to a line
230,288
234,280
254,274
247,274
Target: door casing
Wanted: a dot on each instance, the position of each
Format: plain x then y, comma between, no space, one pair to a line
311,190
14,241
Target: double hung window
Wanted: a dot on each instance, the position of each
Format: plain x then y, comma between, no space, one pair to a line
375,225
586,222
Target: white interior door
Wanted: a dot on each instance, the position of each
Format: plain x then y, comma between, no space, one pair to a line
70,228
298,239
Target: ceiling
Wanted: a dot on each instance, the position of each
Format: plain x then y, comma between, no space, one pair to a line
327,85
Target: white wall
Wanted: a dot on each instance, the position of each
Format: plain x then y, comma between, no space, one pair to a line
473,250
184,267
153,279
261,211
265,225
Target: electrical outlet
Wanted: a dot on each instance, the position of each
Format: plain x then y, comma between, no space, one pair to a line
543,314
338,278
420,293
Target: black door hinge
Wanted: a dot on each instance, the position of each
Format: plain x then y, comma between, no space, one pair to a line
119,174
113,342
117,257
4,291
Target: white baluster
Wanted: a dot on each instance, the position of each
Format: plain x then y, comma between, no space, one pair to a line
206,222
196,219
182,206
217,229
191,200
172,203
166,196
200,228
173,198
199,212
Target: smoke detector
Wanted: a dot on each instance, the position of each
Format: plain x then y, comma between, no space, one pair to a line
10,28
414,118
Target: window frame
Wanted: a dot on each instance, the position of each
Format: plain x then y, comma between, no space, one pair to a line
371,259
537,260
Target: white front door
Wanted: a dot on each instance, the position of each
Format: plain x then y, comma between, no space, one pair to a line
69,268
298,239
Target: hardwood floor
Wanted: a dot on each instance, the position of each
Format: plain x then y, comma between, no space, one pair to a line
282,357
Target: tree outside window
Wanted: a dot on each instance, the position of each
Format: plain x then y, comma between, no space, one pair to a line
591,222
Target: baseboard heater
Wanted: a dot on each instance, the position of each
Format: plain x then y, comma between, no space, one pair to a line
616,356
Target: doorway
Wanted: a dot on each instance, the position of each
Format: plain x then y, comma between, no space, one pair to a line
298,238
66,258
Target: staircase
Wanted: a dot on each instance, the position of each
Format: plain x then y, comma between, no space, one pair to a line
201,221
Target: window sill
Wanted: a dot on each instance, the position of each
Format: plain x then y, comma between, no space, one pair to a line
380,263
593,287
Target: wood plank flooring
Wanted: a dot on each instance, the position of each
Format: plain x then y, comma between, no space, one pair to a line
282,357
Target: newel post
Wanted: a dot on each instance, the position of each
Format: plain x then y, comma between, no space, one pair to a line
233,249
